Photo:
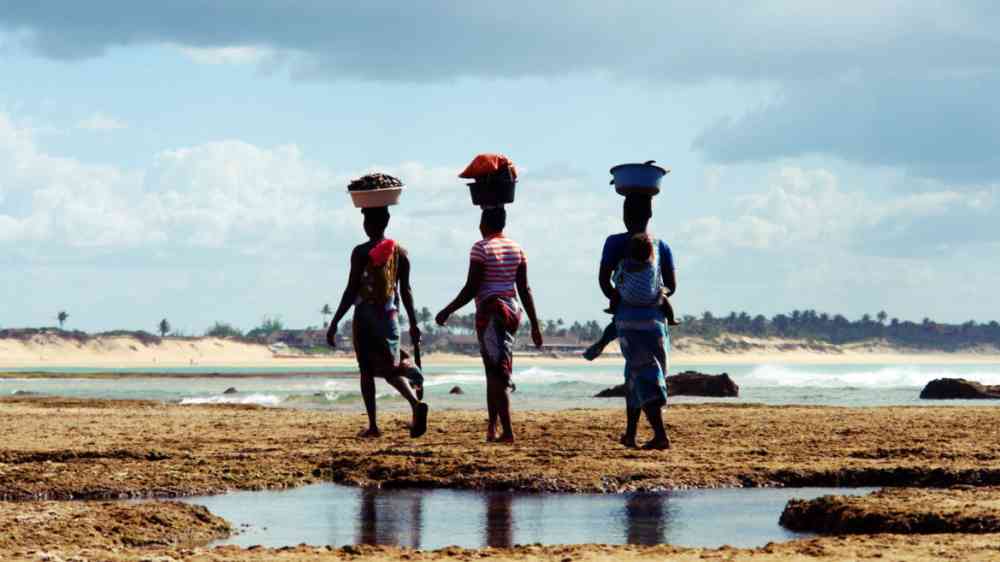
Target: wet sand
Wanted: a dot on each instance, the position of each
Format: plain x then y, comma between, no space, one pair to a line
899,510
65,448
57,448
855,547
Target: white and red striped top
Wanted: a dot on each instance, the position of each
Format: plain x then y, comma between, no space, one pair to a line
500,257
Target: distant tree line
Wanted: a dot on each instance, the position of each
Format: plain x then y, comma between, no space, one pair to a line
799,324
837,329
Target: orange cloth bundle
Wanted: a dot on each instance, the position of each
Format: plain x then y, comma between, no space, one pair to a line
488,164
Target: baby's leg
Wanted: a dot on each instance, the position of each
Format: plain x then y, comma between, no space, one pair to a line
595,350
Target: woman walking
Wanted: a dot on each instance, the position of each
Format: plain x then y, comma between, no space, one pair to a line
378,280
498,275
642,330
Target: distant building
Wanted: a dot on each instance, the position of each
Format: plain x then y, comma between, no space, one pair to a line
461,344
297,338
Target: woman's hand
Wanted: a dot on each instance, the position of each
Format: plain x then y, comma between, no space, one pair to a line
415,334
536,336
442,317
331,336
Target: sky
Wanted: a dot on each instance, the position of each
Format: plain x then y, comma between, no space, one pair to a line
189,159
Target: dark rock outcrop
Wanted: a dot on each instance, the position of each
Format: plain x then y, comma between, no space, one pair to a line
693,383
951,389
231,390
456,390
617,391
688,383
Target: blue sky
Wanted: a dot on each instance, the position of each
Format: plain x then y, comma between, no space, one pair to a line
189,159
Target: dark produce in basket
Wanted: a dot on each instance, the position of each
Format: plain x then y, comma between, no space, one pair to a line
374,181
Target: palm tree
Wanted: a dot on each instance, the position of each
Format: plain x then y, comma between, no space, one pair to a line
326,312
164,328
62,317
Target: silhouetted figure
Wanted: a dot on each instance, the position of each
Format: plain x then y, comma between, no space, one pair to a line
642,330
498,275
378,280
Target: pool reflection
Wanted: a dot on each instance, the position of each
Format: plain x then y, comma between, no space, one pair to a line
503,519
429,519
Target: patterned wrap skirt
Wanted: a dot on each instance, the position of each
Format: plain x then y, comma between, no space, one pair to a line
497,321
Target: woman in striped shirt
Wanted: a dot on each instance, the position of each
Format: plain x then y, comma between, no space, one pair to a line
498,274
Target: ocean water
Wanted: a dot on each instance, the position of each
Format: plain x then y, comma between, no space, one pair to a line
538,387
329,514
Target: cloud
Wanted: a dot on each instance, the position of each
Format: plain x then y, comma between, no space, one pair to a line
804,211
228,55
391,41
945,127
887,83
101,123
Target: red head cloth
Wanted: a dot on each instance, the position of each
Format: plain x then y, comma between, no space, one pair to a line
486,164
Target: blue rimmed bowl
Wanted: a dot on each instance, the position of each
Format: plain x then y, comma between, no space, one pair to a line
638,178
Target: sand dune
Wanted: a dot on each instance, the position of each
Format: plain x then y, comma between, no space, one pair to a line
52,349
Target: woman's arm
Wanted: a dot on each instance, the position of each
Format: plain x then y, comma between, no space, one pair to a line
468,292
667,268
406,293
669,280
524,292
358,258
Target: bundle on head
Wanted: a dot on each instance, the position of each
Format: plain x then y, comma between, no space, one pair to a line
374,181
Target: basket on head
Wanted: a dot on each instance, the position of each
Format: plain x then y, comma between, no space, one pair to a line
638,178
496,189
495,179
376,197
375,190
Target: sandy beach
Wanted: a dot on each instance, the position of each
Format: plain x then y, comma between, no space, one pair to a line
57,449
50,350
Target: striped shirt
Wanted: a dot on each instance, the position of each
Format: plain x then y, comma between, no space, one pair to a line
500,257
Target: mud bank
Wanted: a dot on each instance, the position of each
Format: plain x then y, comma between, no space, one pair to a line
99,449
106,525
911,511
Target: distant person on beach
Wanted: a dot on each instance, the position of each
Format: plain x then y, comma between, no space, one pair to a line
498,274
642,330
378,280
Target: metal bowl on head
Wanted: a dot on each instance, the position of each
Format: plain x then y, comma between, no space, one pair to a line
638,178
376,197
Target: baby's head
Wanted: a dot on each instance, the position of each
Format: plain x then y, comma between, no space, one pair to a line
640,248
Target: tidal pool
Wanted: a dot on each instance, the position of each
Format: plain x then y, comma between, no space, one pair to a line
331,514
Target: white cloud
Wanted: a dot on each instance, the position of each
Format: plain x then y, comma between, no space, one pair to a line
228,55
804,209
101,123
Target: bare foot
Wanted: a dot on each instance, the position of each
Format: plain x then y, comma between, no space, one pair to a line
656,444
370,433
506,438
628,442
491,433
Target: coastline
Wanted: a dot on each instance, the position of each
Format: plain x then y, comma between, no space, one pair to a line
347,362
207,353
